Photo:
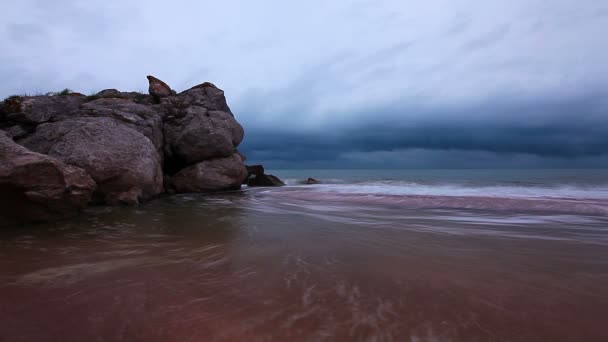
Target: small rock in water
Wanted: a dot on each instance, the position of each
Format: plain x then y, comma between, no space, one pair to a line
312,181
265,180
255,170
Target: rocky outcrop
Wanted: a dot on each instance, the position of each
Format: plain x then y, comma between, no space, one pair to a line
311,181
211,175
36,187
133,146
123,162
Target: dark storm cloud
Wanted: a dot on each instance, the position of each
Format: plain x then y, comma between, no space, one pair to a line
568,131
325,83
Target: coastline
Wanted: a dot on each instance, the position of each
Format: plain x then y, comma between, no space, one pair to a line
258,265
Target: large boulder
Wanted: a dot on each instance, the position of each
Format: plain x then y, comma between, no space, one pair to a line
206,95
35,187
195,133
211,175
147,120
34,110
123,162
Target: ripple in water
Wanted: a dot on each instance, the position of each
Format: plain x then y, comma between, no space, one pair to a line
303,264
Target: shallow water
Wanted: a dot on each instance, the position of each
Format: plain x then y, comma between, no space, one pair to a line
310,263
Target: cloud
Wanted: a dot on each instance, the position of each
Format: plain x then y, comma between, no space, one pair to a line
570,132
527,77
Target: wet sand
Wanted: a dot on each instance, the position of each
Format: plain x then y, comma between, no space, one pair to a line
273,266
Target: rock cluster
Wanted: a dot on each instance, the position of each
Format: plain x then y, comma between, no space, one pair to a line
60,152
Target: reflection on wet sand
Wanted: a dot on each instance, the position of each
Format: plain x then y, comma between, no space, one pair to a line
254,267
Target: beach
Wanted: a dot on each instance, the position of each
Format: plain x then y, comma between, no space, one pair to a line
475,255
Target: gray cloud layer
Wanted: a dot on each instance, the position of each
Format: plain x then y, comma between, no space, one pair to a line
346,83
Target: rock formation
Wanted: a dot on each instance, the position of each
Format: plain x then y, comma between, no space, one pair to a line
211,175
35,187
115,148
123,162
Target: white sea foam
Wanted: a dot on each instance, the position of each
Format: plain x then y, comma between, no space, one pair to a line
415,189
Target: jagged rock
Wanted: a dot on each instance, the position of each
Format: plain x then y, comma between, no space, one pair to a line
36,187
311,181
34,110
123,162
265,180
211,175
195,134
158,88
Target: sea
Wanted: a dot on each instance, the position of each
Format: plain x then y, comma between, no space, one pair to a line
365,255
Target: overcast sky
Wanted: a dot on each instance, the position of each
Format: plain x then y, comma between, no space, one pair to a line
433,83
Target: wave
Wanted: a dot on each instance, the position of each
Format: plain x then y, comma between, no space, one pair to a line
589,206
405,188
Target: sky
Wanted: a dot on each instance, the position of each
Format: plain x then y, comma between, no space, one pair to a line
345,84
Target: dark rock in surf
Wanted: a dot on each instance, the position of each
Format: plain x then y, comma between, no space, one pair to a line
265,180
311,181
255,170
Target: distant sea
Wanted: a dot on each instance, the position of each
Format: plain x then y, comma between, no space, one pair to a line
366,255
592,183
